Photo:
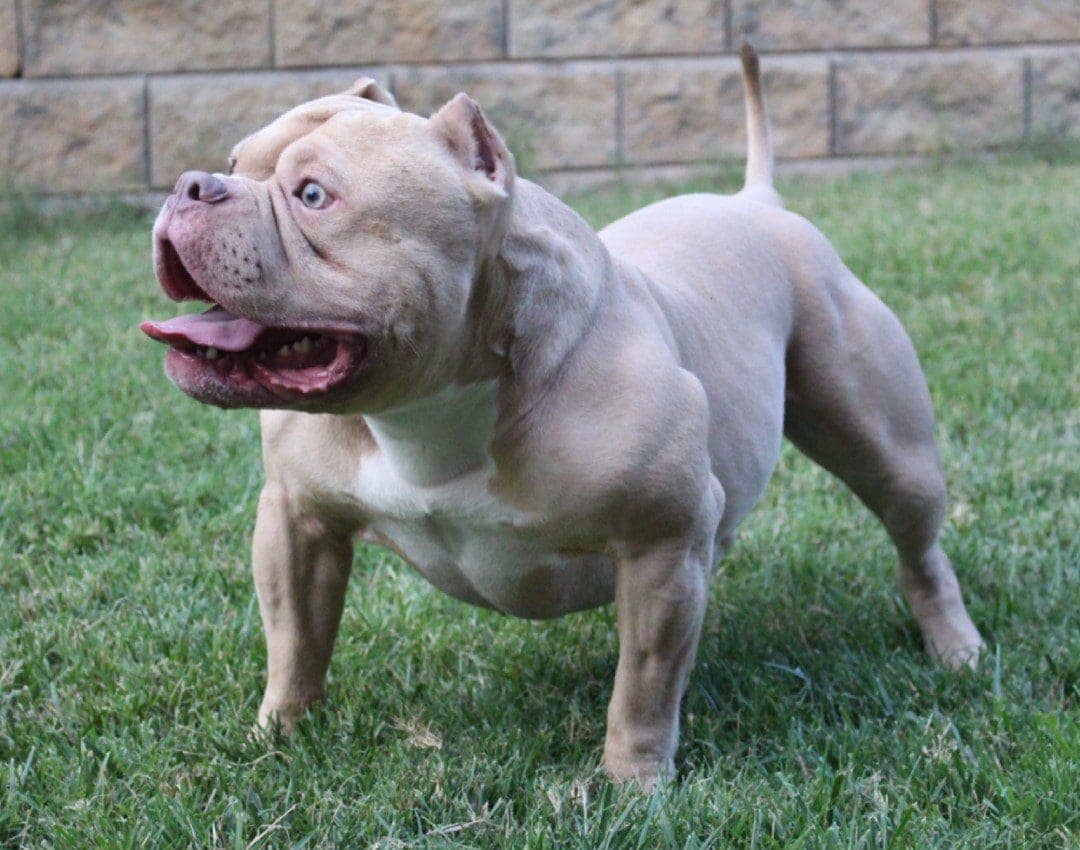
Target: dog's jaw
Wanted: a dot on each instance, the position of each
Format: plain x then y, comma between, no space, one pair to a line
230,360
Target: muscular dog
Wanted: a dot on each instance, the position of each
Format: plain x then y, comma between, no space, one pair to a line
537,417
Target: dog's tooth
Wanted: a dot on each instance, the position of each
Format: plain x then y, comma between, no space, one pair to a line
211,353
284,351
303,346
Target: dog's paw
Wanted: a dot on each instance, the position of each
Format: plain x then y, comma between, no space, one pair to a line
279,717
642,770
954,644
964,656
268,736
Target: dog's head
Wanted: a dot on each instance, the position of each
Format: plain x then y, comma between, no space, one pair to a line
340,253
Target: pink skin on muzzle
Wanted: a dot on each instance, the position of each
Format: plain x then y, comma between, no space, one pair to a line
236,361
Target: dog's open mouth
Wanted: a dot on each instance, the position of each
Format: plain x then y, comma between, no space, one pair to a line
232,361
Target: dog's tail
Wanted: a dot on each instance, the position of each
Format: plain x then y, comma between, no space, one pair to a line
759,156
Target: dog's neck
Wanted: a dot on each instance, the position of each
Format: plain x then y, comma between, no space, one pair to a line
533,303
439,437
547,281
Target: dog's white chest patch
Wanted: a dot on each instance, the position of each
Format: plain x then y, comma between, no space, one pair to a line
426,494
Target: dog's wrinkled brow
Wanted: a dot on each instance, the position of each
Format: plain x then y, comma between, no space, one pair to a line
303,156
257,155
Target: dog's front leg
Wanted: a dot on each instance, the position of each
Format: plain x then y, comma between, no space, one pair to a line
301,566
660,601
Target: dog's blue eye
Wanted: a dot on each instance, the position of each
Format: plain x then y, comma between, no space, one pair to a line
313,195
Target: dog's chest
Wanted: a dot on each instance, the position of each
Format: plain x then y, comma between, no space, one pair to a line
426,494
477,548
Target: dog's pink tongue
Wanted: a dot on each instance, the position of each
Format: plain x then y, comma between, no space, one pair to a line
216,327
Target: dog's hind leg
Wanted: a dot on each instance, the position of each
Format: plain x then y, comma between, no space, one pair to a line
858,405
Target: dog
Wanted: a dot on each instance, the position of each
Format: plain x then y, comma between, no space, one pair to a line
537,417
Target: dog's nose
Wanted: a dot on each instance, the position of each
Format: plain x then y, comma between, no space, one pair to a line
201,186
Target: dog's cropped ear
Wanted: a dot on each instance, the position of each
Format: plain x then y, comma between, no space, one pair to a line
461,126
368,89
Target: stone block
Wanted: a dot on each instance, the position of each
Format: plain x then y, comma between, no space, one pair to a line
196,119
591,28
552,116
692,110
9,38
1055,95
926,104
332,32
1007,21
72,135
112,36
802,24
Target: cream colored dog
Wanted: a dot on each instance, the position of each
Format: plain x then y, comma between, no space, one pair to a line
538,418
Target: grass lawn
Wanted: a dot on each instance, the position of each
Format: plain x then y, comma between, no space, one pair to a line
131,654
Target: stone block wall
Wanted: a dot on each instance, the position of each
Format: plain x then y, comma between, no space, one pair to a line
125,94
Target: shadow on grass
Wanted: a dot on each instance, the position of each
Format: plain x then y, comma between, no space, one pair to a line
765,666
